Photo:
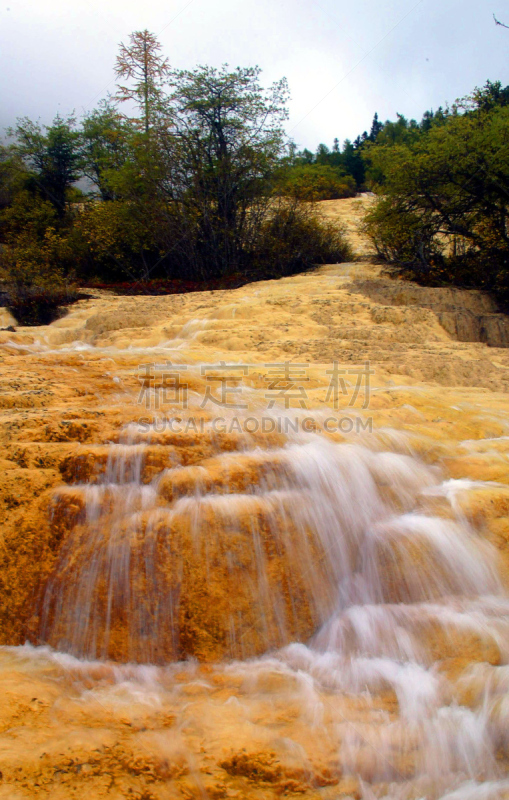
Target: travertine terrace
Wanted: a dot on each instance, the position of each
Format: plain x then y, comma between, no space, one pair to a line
209,613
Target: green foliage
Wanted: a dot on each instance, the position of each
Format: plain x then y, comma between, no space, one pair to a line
26,215
39,305
346,163
112,242
53,155
353,162
313,182
206,178
36,260
204,186
35,280
491,95
444,207
294,239
400,132
13,176
187,191
401,235
105,147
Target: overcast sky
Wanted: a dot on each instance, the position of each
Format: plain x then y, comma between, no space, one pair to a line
344,59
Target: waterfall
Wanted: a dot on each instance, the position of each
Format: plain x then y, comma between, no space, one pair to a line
344,565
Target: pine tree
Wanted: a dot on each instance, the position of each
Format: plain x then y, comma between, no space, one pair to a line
141,62
53,155
376,127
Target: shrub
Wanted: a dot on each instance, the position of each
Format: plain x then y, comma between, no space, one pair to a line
443,216
112,241
27,215
35,280
294,239
416,247
313,182
400,236
39,305
279,237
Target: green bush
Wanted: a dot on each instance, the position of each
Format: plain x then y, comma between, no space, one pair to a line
400,236
443,211
112,241
36,283
314,182
39,305
295,239
417,246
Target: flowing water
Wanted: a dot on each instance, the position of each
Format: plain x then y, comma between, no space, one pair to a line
318,604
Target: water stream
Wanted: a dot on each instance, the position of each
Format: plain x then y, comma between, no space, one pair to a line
335,578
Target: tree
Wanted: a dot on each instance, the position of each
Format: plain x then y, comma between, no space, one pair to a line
497,22
403,130
492,94
353,162
141,62
105,147
376,127
427,121
202,187
313,182
322,154
445,198
13,175
305,157
53,154
220,153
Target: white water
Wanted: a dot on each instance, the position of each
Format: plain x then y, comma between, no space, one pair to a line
405,584
399,591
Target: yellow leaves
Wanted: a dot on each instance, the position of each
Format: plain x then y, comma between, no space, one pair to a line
111,231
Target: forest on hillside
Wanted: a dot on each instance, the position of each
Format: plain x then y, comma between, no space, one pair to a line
186,178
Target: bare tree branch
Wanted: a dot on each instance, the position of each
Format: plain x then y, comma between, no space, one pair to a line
497,22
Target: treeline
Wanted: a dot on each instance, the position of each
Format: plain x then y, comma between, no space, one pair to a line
180,181
442,210
187,177
344,170
442,213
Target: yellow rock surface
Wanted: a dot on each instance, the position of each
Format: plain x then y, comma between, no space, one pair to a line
257,577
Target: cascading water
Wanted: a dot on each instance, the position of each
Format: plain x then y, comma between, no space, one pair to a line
318,561
239,614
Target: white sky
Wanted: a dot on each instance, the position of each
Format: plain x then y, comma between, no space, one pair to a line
344,59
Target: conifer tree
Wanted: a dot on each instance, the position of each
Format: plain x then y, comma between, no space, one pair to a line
141,63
